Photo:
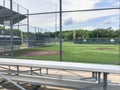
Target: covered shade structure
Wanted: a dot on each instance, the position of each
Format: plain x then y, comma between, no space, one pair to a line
5,15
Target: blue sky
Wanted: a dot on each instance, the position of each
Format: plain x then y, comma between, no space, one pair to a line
85,20
102,19
107,3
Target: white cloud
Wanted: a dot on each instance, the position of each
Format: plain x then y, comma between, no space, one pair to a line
85,16
116,4
111,20
88,28
38,5
85,4
79,4
50,5
115,28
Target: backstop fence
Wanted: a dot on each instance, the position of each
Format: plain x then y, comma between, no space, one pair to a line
16,31
43,28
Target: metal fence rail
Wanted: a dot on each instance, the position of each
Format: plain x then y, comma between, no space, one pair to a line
10,80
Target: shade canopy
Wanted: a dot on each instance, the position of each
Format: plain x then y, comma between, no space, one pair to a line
5,15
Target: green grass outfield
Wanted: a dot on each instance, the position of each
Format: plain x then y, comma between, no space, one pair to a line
87,53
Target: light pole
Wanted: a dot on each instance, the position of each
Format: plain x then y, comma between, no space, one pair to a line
55,24
74,35
97,33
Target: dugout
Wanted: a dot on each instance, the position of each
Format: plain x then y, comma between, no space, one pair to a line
5,40
42,39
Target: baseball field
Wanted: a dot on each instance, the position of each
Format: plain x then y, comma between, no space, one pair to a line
86,53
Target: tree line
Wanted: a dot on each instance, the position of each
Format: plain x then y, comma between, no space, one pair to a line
84,34
70,34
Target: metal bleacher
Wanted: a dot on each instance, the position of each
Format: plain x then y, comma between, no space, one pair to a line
11,69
